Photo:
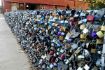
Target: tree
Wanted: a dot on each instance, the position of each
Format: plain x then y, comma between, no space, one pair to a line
100,4
91,3
96,4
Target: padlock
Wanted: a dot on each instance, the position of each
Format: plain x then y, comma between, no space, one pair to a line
79,22
51,52
59,34
74,46
93,34
100,34
83,36
82,26
85,30
61,17
61,38
80,57
62,56
99,41
62,28
49,27
93,50
67,46
68,36
55,24
102,28
71,18
52,59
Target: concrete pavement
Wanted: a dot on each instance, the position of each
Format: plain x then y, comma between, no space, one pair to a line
11,55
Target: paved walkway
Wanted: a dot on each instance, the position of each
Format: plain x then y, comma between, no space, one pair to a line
11,55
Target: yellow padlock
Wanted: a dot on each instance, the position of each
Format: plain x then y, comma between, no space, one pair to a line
103,28
100,34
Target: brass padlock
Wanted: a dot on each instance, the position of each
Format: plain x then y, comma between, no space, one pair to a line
61,17
99,41
62,28
93,50
83,36
103,28
55,24
61,38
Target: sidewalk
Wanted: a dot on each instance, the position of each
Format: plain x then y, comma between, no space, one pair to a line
11,55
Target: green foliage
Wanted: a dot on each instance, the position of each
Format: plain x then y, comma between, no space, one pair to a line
100,5
96,4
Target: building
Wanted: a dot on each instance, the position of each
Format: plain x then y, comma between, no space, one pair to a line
9,5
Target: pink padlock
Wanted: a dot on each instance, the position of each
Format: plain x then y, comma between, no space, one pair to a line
51,52
62,56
